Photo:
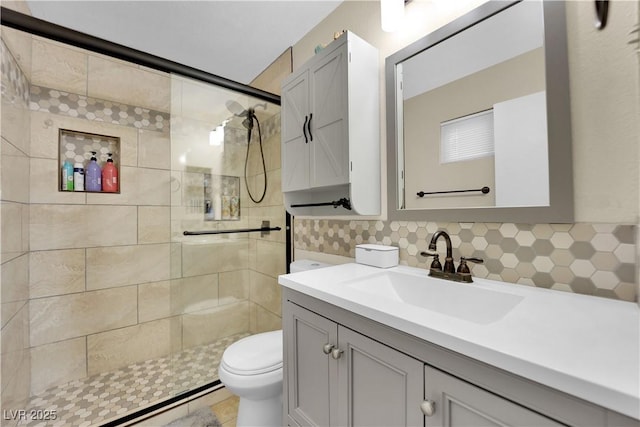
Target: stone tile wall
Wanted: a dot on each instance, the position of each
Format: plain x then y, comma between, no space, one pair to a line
14,222
592,259
93,255
267,256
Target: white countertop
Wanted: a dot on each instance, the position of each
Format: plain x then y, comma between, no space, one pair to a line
585,346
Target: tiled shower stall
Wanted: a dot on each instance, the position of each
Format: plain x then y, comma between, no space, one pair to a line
107,307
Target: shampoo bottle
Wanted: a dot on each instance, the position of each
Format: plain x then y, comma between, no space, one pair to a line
67,176
93,177
234,206
217,207
226,206
110,177
78,177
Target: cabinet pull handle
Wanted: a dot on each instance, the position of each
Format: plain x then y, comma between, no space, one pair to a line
304,129
428,407
327,348
309,127
336,353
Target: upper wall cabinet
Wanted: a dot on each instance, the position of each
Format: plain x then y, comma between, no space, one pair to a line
330,132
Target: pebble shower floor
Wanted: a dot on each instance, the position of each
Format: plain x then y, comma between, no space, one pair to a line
105,397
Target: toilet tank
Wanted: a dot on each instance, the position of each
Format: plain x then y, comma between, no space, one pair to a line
306,264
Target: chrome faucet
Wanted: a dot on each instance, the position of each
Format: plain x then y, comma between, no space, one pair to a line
449,272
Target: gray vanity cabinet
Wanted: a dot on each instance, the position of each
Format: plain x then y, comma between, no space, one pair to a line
343,369
338,377
310,374
456,403
377,385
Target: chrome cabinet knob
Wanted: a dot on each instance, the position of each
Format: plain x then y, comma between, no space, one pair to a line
428,407
327,348
336,353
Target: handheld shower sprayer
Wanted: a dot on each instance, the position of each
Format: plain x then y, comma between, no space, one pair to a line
249,114
248,122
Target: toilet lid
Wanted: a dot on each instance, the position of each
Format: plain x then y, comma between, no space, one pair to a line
255,354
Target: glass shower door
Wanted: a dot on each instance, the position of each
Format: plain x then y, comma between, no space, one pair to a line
213,265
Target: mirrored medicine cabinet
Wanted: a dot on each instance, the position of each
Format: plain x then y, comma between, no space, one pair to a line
478,119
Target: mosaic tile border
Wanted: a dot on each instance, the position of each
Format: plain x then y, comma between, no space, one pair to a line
15,84
591,259
55,101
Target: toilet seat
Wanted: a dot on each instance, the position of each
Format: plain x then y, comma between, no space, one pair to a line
254,355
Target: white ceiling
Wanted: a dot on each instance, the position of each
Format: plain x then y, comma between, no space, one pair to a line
235,39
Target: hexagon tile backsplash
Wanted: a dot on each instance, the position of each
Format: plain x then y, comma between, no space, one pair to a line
592,259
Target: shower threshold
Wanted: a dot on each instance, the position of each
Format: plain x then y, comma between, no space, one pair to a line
107,397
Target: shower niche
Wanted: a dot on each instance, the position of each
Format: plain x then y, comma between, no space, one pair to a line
76,150
211,197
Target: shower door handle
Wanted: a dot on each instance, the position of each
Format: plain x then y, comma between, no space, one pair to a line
309,127
304,130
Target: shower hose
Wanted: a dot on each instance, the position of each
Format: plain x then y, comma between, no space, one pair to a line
246,161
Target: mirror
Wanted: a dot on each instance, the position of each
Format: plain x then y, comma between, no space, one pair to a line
478,119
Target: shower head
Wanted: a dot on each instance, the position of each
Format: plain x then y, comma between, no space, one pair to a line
238,110
249,113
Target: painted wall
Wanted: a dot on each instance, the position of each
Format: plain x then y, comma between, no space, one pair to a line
424,113
604,100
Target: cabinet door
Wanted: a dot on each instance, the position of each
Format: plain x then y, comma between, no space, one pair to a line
311,373
295,140
458,403
379,386
329,156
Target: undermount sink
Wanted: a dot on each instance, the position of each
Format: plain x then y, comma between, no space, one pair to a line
463,301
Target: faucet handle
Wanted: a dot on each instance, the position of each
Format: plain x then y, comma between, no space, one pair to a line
428,253
464,268
435,264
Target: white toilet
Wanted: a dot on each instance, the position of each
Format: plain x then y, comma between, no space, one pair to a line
252,369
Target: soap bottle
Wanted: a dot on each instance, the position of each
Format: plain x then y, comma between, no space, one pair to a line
234,206
208,210
226,206
217,206
93,176
67,176
78,177
110,176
